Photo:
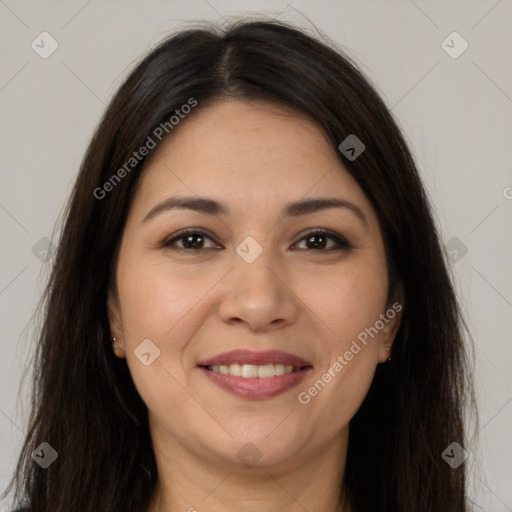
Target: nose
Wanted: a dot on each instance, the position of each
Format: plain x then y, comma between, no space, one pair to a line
259,295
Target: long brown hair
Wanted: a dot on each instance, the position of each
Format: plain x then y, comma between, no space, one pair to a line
85,404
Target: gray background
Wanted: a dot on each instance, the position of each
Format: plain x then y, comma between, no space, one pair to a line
456,113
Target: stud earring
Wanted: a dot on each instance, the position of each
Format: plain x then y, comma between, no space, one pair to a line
118,351
388,350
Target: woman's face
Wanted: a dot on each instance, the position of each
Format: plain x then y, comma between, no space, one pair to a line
250,291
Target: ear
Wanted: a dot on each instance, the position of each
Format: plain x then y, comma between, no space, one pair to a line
115,318
391,319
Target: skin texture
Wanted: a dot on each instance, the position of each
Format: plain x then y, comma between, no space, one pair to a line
254,157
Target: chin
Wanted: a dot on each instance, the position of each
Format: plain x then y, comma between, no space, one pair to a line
260,446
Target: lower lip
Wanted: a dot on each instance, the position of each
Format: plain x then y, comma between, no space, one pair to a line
256,388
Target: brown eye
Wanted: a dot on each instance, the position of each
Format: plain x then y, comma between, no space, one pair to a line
195,241
191,240
316,242
323,240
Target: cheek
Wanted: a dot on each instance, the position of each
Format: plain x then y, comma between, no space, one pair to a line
347,300
156,298
158,302
166,305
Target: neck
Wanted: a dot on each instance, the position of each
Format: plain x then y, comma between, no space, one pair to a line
187,483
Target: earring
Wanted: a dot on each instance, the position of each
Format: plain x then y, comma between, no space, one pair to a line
388,349
118,351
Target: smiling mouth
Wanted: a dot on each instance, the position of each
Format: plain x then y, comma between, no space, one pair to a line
252,371
255,382
255,375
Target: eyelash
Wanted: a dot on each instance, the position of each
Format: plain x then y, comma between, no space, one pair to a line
343,244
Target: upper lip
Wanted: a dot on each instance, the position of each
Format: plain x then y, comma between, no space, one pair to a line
255,358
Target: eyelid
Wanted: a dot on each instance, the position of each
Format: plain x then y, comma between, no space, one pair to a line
169,241
342,242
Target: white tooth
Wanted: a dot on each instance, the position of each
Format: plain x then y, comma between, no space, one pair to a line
249,370
265,371
235,370
279,369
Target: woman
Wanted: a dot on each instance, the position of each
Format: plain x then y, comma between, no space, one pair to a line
250,307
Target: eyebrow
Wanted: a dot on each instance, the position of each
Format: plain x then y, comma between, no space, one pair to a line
295,209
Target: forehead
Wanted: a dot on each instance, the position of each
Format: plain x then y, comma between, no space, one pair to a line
246,152
233,131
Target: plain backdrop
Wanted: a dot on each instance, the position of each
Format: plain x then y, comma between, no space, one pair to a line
454,108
